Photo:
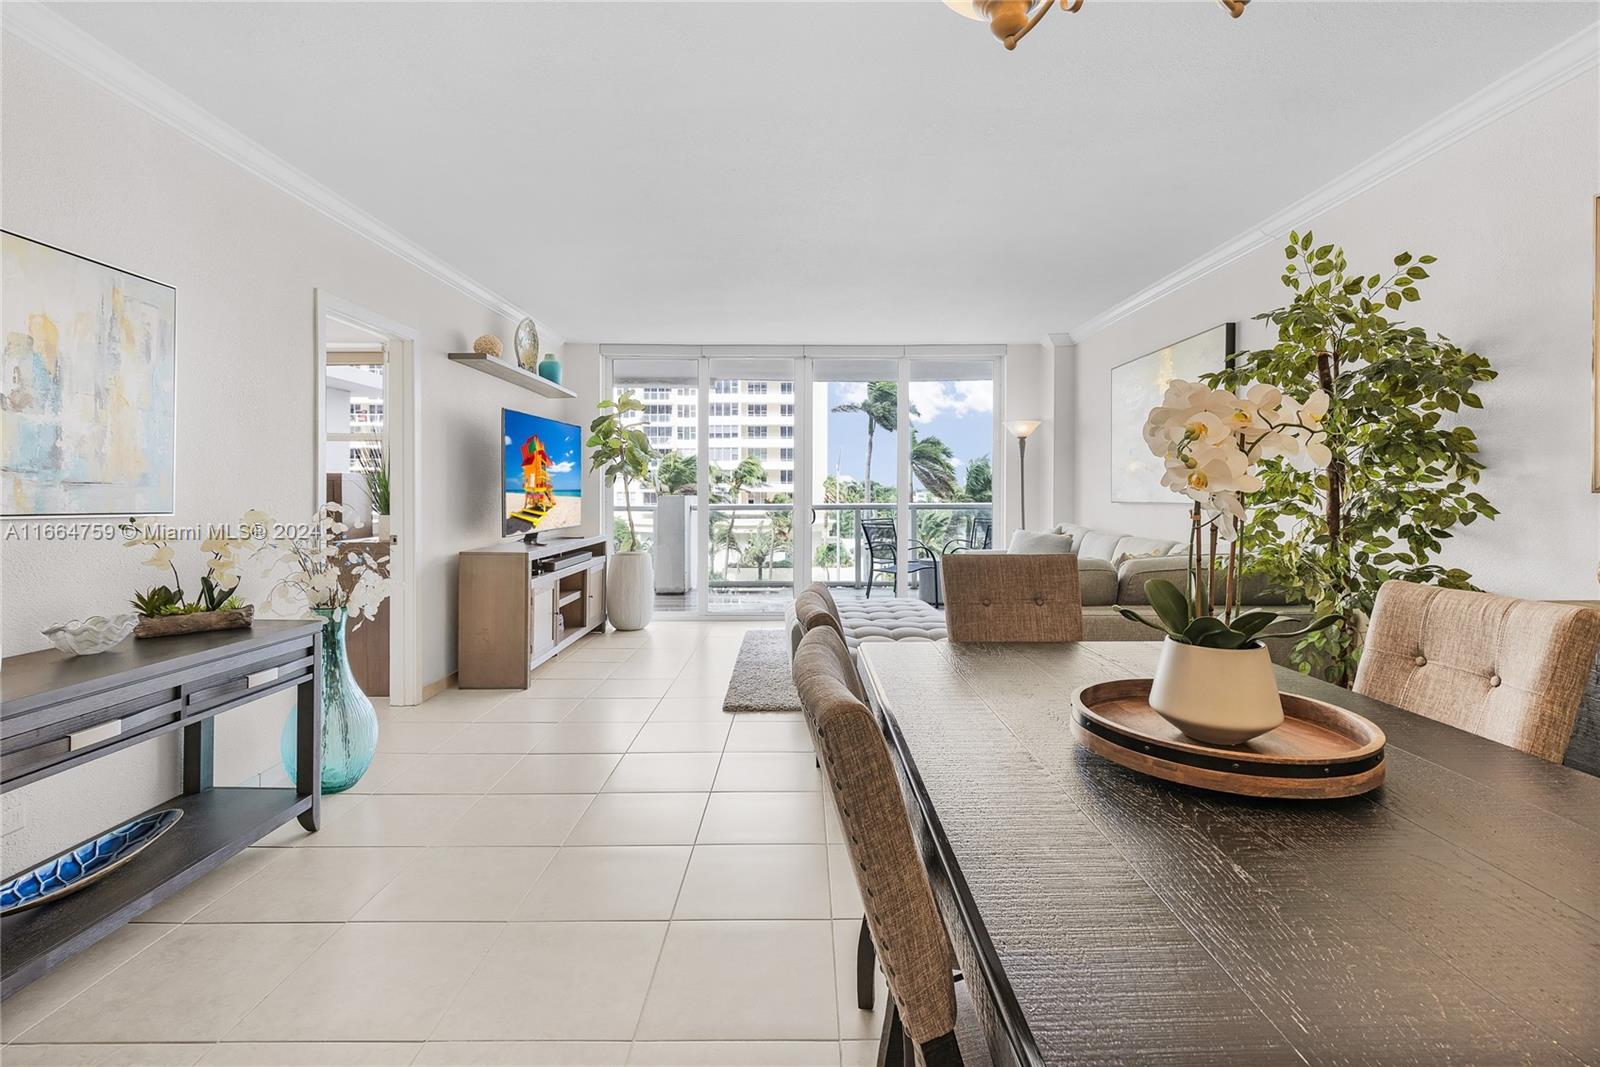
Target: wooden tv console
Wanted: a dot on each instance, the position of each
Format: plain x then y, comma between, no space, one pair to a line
520,604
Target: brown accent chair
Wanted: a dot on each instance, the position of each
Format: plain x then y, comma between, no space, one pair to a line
902,919
1506,669
1001,597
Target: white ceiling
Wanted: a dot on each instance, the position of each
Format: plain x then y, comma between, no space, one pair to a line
823,172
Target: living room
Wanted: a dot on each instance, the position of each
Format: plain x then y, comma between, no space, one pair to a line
534,362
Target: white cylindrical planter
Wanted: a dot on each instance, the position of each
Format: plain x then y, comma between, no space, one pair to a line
630,590
1221,696
380,526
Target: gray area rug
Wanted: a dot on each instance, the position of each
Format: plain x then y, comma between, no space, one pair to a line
761,677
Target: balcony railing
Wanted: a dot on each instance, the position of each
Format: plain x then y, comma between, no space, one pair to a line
840,554
752,545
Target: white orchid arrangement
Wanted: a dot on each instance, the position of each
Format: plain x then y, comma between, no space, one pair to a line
308,566
323,573
1210,441
218,584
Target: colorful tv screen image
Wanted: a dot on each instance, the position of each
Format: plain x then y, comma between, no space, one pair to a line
543,473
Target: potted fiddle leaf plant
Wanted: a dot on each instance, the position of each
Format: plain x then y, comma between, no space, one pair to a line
620,450
1214,678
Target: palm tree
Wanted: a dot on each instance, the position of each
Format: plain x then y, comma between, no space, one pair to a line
931,465
882,409
748,472
676,473
759,551
725,537
980,479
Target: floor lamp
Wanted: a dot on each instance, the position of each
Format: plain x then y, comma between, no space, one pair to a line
1020,429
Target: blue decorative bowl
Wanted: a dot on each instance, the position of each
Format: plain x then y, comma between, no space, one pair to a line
82,864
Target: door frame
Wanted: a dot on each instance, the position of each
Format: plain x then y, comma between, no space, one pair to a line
402,405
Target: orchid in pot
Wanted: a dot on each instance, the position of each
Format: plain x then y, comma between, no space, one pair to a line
336,582
1214,679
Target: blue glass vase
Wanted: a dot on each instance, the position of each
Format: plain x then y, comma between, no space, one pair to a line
550,369
349,723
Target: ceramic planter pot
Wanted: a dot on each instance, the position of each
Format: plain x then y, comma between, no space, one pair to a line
1221,696
630,590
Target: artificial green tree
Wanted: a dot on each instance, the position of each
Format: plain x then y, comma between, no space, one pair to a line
1402,467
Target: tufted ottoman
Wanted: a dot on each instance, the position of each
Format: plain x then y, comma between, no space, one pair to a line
882,619
894,619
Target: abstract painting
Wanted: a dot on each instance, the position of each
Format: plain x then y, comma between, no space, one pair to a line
1136,387
88,419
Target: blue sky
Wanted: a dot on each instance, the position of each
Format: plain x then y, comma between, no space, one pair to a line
959,413
561,439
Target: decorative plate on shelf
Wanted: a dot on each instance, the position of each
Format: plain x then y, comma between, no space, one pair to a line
527,345
82,864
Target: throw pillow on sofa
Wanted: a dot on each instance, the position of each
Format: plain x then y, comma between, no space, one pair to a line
1030,543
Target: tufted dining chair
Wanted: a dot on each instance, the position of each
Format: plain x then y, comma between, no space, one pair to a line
1506,669
814,606
995,596
901,916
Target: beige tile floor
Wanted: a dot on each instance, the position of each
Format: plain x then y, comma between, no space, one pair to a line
604,869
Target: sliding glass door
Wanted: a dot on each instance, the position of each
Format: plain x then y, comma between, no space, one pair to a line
854,446
750,434
953,438
857,468
665,512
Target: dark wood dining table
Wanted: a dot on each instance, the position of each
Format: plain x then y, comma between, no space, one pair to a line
1451,916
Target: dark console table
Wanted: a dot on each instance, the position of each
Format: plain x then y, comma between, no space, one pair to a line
59,711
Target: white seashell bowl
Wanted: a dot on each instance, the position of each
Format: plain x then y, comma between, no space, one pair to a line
93,635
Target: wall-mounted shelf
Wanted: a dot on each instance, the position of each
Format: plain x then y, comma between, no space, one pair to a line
515,375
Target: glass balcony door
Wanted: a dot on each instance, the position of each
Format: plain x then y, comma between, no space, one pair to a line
664,511
750,430
953,437
854,449
858,468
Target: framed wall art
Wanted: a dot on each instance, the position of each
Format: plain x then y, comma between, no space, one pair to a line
88,414
1136,387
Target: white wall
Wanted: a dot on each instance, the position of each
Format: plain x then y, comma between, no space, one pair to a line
1029,394
86,172
1509,212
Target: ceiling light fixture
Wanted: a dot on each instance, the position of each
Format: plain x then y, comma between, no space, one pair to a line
1010,20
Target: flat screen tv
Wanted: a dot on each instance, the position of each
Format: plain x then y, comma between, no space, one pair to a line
542,474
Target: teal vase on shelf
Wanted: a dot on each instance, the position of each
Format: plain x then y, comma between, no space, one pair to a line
550,368
349,723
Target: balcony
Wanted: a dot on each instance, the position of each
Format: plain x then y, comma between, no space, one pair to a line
751,564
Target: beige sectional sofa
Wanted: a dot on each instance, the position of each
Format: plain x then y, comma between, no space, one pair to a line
1112,570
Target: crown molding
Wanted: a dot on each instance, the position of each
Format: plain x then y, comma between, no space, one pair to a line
1574,56
64,42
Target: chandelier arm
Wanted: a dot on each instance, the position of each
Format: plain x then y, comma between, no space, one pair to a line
1033,20
1038,14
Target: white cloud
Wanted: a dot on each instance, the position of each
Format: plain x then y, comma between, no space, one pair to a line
508,439
849,392
937,399
561,468
932,400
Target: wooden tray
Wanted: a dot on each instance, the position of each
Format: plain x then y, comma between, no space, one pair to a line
1320,750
